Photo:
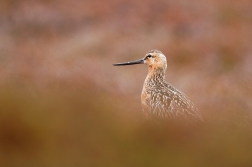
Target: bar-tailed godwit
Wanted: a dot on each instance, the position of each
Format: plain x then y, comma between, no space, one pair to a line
159,99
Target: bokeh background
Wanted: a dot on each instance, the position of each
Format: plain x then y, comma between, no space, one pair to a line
62,103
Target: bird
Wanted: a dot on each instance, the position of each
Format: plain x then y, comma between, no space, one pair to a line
159,99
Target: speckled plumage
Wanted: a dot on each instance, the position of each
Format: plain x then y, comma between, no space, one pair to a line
159,99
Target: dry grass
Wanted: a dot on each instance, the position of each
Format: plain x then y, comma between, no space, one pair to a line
64,104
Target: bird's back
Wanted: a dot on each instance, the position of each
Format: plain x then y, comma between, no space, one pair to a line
163,101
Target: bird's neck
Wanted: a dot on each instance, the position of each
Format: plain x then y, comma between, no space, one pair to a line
155,76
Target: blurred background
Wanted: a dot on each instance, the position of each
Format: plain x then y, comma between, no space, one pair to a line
62,103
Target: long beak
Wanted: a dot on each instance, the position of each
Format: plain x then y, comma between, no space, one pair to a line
141,61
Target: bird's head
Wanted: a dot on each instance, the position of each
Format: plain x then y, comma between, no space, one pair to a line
154,59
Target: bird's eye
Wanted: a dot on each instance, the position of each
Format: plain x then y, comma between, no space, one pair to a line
149,56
